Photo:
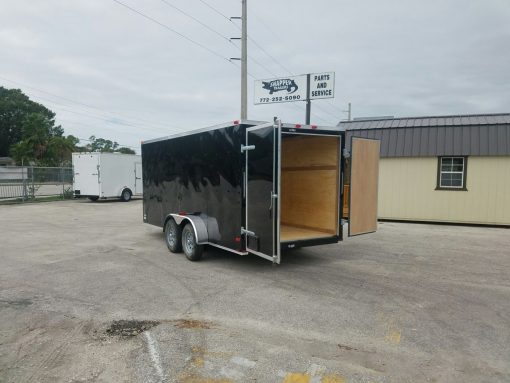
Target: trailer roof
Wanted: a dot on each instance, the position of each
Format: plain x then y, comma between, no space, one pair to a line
104,153
239,122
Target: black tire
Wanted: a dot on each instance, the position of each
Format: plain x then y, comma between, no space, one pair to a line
125,195
191,249
93,198
173,236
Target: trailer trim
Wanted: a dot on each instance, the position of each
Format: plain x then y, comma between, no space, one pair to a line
309,242
262,255
202,130
226,248
198,224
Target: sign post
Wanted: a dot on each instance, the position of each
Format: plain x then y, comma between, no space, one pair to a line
307,87
308,101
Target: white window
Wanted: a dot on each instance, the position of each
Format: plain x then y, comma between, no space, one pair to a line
452,173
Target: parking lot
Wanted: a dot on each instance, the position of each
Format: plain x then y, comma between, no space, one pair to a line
88,293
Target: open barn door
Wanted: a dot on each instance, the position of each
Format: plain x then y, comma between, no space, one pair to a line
363,186
262,191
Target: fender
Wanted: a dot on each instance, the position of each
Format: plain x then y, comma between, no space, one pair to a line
199,226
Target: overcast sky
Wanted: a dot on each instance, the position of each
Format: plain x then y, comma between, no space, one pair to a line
120,76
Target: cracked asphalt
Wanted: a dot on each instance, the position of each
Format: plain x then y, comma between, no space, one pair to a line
88,293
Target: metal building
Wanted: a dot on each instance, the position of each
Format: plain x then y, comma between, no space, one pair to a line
442,168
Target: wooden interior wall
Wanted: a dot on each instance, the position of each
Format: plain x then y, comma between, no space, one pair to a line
363,187
310,182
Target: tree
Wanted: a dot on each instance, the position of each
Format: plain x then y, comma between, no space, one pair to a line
15,111
29,134
59,150
102,145
125,150
39,135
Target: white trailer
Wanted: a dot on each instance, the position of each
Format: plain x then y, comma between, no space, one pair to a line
104,175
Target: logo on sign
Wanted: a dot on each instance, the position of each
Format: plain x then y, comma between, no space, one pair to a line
280,84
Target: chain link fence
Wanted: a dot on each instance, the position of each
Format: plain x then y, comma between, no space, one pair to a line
30,182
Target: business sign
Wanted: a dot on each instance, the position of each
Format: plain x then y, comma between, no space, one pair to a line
322,85
283,89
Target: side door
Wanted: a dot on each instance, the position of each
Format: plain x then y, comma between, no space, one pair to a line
262,177
364,174
138,178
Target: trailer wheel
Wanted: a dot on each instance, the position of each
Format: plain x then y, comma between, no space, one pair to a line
126,195
173,236
192,250
94,198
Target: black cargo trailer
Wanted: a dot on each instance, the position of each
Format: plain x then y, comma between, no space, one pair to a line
260,188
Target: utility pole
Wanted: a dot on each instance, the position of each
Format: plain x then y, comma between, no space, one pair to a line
244,63
348,111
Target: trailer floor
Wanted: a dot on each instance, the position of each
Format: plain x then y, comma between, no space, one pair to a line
292,233
90,294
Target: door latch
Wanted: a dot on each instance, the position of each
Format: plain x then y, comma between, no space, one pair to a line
247,232
244,148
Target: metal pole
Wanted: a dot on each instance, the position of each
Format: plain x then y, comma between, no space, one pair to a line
62,180
244,63
308,101
24,191
349,110
33,188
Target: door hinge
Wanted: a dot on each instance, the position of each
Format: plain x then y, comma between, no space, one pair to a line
244,148
247,232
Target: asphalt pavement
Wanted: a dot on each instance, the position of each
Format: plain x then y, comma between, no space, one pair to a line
88,293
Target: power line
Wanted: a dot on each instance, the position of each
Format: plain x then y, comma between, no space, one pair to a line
78,102
197,20
249,38
89,114
106,119
215,10
282,66
172,30
325,111
120,145
214,31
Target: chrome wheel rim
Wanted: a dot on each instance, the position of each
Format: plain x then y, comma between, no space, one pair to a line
171,235
189,242
125,195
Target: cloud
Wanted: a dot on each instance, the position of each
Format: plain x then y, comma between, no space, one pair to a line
18,38
391,58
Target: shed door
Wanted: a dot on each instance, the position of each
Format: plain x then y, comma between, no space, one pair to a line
363,188
138,178
262,191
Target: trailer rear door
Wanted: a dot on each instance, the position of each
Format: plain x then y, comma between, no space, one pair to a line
363,188
86,173
262,191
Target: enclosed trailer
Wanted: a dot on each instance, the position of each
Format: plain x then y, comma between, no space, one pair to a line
104,175
260,188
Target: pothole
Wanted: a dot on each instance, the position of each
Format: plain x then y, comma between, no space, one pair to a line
129,328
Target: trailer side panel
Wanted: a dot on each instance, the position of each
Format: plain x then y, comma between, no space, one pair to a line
200,173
